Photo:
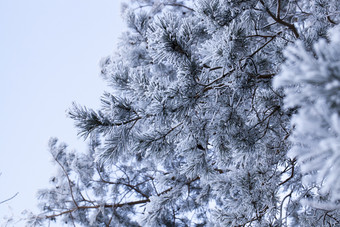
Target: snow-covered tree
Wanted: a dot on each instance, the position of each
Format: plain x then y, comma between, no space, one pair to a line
192,132
311,80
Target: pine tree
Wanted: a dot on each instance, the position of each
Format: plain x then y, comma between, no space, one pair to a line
193,133
311,80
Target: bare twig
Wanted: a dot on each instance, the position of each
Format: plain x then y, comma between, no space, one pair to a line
180,5
9,198
167,4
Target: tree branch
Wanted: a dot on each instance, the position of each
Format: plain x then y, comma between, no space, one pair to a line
68,180
133,187
98,206
180,5
278,9
292,172
280,21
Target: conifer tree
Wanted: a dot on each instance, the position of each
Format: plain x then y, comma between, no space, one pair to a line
311,81
192,131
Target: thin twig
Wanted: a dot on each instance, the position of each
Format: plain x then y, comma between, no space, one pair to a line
68,179
278,9
292,173
280,21
9,198
98,206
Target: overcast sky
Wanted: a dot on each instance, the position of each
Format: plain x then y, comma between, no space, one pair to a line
49,57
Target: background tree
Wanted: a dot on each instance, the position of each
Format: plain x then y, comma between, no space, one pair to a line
192,133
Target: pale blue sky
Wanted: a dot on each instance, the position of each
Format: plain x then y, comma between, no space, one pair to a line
49,56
